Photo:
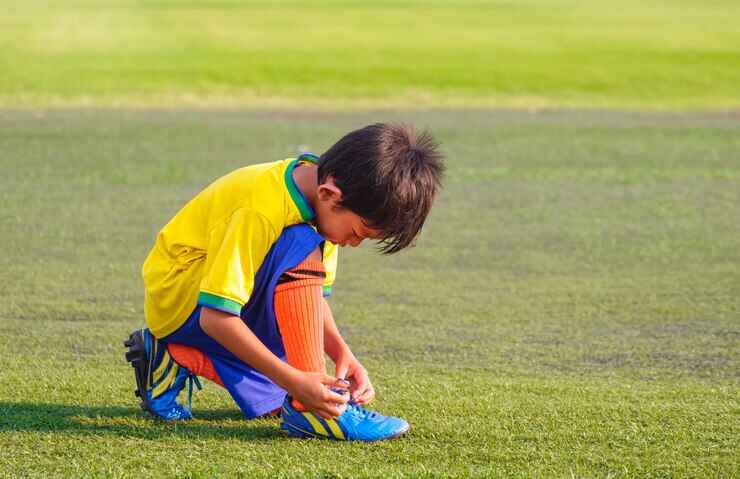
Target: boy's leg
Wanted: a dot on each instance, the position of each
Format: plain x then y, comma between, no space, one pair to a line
299,314
194,360
297,334
254,393
199,364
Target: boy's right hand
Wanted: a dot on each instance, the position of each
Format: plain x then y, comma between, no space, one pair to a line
313,391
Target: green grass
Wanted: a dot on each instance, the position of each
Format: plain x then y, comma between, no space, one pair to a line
328,54
572,309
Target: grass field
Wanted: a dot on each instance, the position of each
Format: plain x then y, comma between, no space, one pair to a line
572,310
330,54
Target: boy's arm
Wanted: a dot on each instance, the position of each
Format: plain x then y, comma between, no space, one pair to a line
334,343
308,388
347,365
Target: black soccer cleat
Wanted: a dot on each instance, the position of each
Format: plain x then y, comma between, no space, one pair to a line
159,379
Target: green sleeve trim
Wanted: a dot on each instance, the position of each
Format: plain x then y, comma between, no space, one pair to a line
300,201
218,302
327,290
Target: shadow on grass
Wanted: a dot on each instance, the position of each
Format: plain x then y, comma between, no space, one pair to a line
131,422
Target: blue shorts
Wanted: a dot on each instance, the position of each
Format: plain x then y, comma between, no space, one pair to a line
254,393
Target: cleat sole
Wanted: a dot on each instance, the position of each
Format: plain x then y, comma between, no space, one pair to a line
136,356
301,434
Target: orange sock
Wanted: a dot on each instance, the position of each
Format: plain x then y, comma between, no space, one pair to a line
299,312
194,360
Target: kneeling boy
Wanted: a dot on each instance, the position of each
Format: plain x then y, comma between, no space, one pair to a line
234,284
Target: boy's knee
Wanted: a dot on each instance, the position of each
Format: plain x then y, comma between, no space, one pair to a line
309,272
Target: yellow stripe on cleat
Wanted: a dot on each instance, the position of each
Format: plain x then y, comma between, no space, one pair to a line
317,426
335,429
167,381
162,366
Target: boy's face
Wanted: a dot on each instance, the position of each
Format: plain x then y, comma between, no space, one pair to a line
339,225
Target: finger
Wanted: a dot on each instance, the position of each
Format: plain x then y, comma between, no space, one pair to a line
333,382
324,413
342,384
340,409
361,383
367,396
356,391
330,411
336,398
342,371
324,409
327,380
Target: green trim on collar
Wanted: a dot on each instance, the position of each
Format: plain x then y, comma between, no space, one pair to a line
218,302
307,213
309,157
326,290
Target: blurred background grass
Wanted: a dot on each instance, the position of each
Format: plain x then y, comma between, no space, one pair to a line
331,54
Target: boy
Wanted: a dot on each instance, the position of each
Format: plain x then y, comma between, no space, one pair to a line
234,282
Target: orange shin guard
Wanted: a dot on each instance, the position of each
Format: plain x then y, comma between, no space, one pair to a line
194,360
299,308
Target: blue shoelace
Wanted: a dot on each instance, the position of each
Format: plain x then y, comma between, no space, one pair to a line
360,411
192,378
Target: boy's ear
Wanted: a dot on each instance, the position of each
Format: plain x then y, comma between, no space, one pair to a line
328,191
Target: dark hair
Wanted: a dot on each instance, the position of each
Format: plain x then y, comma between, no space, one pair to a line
389,176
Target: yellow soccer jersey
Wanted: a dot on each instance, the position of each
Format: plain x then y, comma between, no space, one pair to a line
209,253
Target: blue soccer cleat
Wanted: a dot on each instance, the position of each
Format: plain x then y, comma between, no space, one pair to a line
159,379
354,424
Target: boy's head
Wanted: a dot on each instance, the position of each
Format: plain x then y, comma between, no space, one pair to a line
378,182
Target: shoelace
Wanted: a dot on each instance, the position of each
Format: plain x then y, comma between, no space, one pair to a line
192,378
360,411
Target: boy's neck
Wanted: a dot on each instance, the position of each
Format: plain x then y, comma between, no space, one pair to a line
306,178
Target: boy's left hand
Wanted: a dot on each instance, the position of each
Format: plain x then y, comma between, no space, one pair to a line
349,368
